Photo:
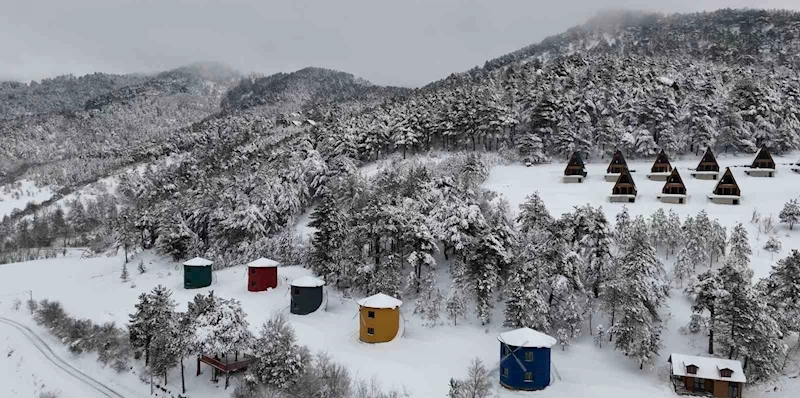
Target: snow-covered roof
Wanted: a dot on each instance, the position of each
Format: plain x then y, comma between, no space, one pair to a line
665,80
707,368
526,337
297,123
311,122
380,300
263,263
198,262
307,281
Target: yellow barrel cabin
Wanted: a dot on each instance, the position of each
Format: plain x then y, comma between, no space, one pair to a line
379,318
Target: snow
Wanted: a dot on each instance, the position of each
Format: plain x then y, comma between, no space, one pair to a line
18,195
665,80
707,368
263,263
380,300
198,262
307,281
526,337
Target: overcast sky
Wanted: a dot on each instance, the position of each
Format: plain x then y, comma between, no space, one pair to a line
398,42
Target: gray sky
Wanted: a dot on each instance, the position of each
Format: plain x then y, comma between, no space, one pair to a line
398,42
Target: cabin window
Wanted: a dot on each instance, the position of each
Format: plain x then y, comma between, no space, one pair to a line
252,271
371,314
252,284
725,372
529,356
506,351
699,384
691,369
505,372
295,291
528,377
370,331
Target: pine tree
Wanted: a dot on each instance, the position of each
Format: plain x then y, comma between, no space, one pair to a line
124,274
657,224
221,328
739,250
674,232
478,383
139,325
790,214
599,335
429,302
327,240
719,240
140,267
707,289
533,214
525,306
279,359
455,306
622,229
782,287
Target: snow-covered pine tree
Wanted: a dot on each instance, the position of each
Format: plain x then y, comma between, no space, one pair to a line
533,214
697,238
643,290
279,359
790,214
563,338
429,302
657,224
674,233
455,306
596,252
684,266
773,245
718,240
141,335
525,306
706,289
140,267
478,383
782,287
327,240
622,228
739,250
124,274
599,335
221,329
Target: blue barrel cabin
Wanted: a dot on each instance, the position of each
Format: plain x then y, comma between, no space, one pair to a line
525,359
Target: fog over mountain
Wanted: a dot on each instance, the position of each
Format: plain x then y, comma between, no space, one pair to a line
407,43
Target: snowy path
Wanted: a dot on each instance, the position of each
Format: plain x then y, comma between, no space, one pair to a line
48,353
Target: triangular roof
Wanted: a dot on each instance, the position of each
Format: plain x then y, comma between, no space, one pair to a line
576,160
662,158
263,263
198,262
380,300
526,337
763,154
727,179
307,281
625,178
709,157
618,158
675,178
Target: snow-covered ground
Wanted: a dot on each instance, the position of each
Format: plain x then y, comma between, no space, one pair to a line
18,195
426,358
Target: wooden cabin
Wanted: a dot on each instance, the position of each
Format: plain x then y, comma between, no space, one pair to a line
576,170
727,191
661,169
763,165
379,318
525,359
674,190
617,165
625,189
708,168
704,376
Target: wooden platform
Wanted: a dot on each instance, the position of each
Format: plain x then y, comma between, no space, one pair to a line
224,365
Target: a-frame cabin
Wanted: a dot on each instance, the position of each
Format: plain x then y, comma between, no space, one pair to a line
625,189
727,191
763,165
708,168
661,169
617,165
674,190
576,170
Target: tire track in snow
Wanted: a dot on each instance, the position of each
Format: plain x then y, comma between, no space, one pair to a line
48,353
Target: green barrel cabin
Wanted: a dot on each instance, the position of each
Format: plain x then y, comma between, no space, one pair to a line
197,273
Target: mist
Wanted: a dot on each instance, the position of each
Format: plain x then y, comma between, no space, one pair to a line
407,43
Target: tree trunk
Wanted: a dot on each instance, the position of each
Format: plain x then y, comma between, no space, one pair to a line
711,333
610,333
183,379
198,366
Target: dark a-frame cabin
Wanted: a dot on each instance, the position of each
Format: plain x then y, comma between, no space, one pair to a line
727,190
674,190
708,168
576,169
617,165
661,167
763,165
625,189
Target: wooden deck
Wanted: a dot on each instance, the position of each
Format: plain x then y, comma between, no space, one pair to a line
227,365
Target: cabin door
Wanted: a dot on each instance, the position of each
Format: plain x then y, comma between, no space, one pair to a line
733,390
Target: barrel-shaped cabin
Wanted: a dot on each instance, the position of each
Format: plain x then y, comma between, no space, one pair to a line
575,172
763,165
615,168
661,169
379,318
197,273
262,274
525,359
624,190
674,190
307,295
727,191
708,168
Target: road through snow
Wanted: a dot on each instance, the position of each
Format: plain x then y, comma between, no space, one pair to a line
48,353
